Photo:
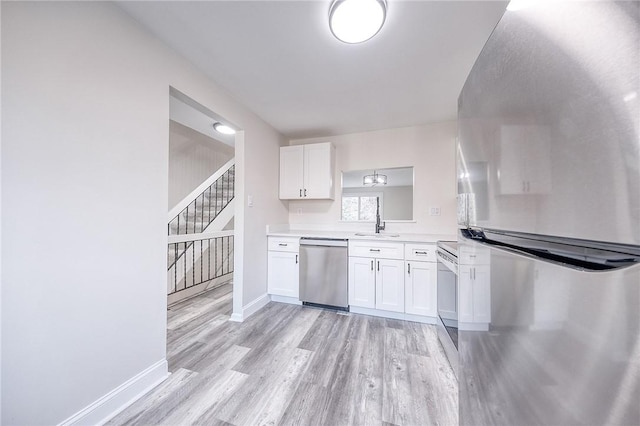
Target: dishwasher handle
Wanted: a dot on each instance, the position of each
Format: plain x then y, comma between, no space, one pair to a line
323,242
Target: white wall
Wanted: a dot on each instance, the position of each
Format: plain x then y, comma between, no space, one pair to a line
193,157
429,148
85,95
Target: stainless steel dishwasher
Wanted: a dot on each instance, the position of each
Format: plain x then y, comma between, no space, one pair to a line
323,272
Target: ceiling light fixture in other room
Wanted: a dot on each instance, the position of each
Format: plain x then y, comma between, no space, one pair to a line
355,21
374,179
224,129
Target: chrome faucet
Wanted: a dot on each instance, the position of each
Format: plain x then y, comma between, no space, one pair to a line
378,226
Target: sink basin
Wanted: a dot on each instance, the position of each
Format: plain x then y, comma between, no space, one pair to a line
373,234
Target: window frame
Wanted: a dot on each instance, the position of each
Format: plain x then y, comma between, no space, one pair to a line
360,195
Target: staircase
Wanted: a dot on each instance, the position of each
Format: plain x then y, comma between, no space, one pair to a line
206,206
199,253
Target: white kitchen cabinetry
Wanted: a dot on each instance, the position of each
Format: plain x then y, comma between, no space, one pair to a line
282,265
390,285
421,296
362,282
525,160
376,281
421,274
306,171
474,289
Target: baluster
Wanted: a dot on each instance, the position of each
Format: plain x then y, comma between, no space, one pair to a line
195,214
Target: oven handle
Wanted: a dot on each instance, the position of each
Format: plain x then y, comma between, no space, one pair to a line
450,262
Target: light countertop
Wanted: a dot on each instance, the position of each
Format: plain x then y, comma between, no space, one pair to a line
352,235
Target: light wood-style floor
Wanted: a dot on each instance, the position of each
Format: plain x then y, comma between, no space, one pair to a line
294,365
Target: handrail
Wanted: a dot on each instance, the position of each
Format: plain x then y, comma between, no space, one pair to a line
201,258
186,201
185,238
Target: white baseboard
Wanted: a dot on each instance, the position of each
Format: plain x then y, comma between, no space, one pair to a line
285,299
236,317
473,326
420,318
105,408
393,315
250,308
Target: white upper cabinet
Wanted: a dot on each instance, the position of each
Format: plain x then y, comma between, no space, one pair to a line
306,171
291,171
525,160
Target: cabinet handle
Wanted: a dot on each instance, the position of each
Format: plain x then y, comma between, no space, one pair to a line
375,250
471,274
378,266
305,192
301,193
282,244
528,186
409,268
296,259
421,252
372,265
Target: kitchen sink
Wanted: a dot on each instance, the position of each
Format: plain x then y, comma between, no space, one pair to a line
373,234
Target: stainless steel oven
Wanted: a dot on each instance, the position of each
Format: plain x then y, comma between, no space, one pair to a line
447,255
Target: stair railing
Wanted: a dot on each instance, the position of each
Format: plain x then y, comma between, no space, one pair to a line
198,209
198,258
193,255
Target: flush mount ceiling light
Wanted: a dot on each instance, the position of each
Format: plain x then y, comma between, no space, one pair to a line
355,21
224,129
374,179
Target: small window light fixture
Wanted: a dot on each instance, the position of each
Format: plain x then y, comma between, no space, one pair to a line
374,179
224,129
355,21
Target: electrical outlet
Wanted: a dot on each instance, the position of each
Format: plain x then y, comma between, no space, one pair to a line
250,200
434,211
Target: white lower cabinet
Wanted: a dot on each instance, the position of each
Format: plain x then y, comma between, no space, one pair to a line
362,282
376,275
376,283
474,295
282,267
283,274
390,285
421,297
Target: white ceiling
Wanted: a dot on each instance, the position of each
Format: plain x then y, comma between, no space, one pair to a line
187,115
280,60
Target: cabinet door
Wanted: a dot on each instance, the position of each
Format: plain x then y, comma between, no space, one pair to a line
390,285
481,294
291,172
420,286
318,171
537,163
512,176
282,275
362,284
465,293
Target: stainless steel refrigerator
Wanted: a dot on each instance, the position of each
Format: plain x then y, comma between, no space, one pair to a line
549,218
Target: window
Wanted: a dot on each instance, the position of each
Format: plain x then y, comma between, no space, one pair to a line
360,207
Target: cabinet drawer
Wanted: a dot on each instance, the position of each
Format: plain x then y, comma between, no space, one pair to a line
420,252
289,244
379,250
473,256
